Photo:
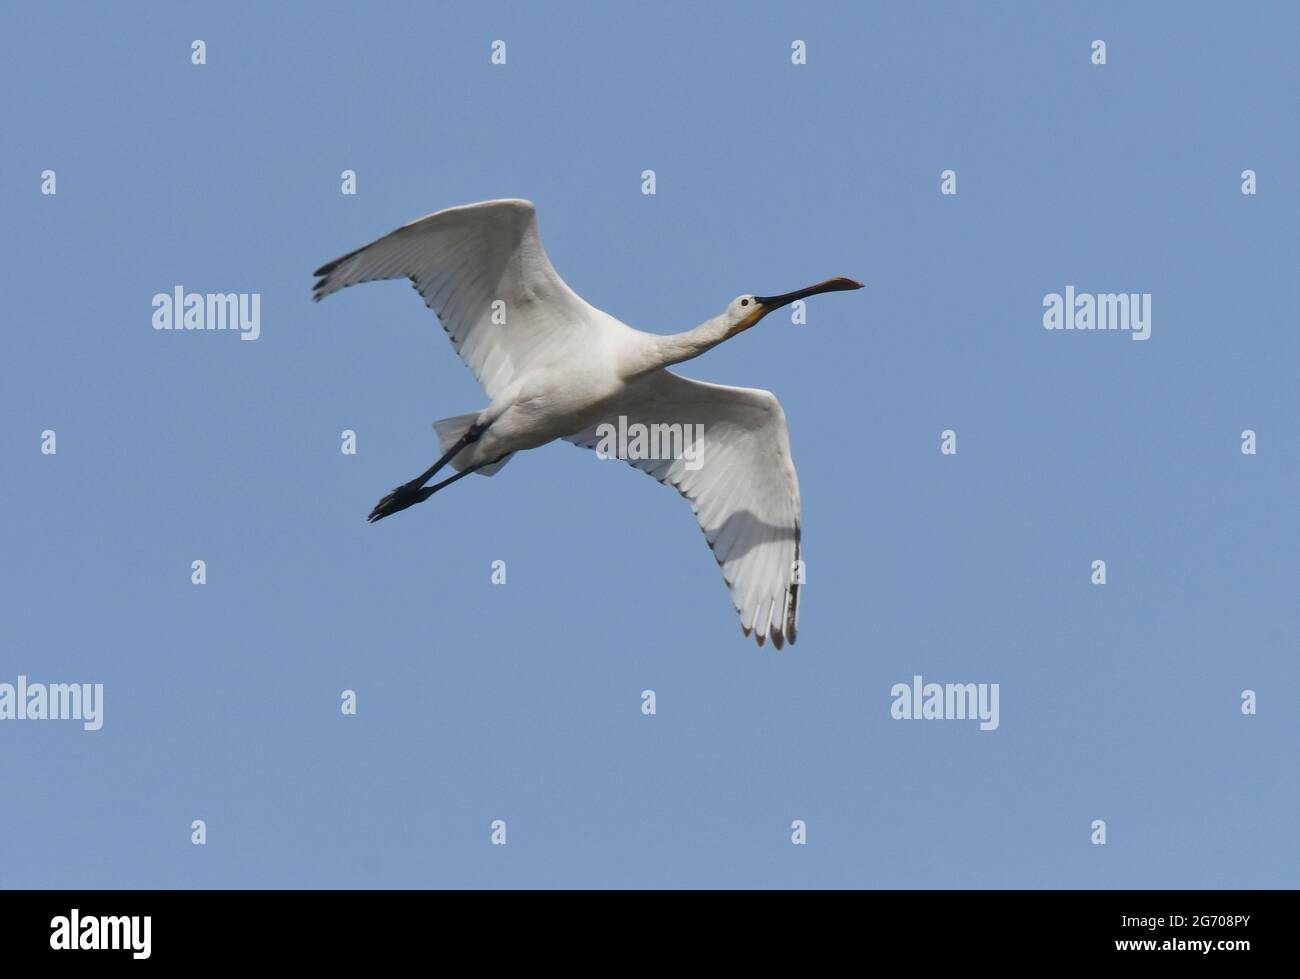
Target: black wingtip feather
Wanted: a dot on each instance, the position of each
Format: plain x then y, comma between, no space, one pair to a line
329,267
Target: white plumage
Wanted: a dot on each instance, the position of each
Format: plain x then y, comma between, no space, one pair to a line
554,366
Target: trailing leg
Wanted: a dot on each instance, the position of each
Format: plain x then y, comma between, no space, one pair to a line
413,492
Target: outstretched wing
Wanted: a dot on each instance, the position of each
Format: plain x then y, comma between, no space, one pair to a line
482,269
741,485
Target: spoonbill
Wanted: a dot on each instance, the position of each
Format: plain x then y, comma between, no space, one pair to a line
555,367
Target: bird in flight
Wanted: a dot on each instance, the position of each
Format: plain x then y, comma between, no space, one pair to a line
555,367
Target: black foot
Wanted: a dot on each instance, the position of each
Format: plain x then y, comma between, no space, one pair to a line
399,499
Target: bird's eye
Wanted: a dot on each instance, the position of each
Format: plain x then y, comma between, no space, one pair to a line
744,302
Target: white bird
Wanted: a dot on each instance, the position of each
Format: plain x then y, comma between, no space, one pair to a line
555,367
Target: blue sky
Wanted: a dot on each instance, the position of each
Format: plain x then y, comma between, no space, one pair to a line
522,702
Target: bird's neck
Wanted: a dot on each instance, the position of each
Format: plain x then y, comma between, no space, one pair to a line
678,347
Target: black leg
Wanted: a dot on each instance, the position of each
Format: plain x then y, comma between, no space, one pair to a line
428,491
413,492
471,435
394,503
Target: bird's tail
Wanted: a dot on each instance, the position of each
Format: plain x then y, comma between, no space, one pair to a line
451,430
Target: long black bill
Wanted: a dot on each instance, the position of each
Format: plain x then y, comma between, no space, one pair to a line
841,283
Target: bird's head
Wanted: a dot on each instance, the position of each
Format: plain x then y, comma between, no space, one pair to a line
744,311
